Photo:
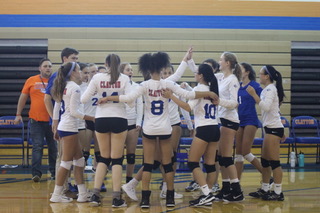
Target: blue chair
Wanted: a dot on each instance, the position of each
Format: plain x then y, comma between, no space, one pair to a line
14,132
289,140
305,130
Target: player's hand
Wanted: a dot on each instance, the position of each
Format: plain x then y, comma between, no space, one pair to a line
251,90
167,93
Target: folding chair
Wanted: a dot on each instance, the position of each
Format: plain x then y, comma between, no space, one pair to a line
305,130
13,135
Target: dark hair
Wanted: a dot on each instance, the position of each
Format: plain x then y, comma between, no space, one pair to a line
83,65
113,61
232,58
60,81
172,68
153,62
43,60
209,77
122,66
214,63
275,76
248,68
102,68
66,52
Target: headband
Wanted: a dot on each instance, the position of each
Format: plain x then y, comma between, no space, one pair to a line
72,68
266,69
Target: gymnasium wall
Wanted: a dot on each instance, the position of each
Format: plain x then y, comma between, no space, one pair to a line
259,32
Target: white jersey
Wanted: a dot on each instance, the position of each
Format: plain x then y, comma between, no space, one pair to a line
228,94
81,122
135,113
174,112
100,83
269,105
69,108
156,112
205,113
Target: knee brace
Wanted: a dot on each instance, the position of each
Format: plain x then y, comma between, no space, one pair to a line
86,155
226,161
106,161
264,163
79,162
156,165
238,158
274,164
147,167
249,157
193,165
210,168
217,157
167,168
174,157
116,161
97,155
131,158
66,164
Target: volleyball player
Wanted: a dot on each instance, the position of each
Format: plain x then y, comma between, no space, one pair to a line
249,121
66,93
110,125
156,120
207,134
269,101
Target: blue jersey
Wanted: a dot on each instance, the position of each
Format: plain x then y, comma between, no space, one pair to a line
246,109
48,89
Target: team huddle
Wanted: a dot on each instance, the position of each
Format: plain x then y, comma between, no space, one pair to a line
111,109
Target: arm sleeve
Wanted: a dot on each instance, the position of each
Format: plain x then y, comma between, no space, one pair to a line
91,89
26,87
56,111
132,96
232,103
75,103
180,92
192,66
139,108
268,100
179,72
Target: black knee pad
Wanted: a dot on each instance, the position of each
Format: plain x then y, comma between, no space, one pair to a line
226,161
97,155
210,168
167,168
193,165
116,161
86,155
174,157
147,167
217,157
131,158
106,161
274,164
265,163
156,165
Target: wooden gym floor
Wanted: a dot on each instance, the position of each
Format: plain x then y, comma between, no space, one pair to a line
301,188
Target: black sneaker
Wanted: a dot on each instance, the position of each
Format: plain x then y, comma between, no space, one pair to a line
117,203
202,200
271,195
170,198
221,194
145,200
258,194
95,200
36,178
234,197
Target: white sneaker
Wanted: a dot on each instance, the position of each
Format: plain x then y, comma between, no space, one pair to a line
84,197
215,188
163,195
60,199
130,191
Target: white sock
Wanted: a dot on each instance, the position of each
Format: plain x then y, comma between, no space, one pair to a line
57,190
134,182
82,188
277,188
205,189
236,180
226,180
164,186
265,187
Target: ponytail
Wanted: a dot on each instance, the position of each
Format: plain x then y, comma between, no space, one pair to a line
237,71
60,82
234,66
113,62
275,75
209,77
